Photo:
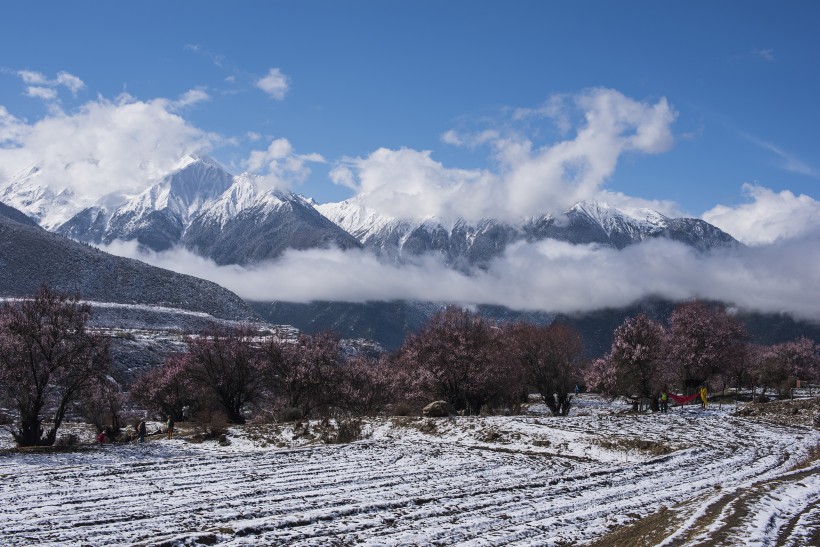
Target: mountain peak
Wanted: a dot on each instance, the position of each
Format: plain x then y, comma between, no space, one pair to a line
189,159
608,216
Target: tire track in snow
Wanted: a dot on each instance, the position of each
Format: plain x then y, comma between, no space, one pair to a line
419,490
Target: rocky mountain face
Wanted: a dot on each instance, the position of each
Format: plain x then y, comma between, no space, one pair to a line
261,228
127,291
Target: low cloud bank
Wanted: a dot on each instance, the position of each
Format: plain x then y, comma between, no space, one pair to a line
549,276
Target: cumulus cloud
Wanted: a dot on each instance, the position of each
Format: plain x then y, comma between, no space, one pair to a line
274,83
530,180
769,216
279,166
550,275
103,147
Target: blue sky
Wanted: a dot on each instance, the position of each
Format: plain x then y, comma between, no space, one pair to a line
447,108
740,77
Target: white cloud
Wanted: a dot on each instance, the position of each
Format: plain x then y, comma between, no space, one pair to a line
192,97
549,275
769,216
274,84
764,54
280,166
43,88
45,93
11,128
406,183
469,140
32,78
788,161
73,83
530,180
103,147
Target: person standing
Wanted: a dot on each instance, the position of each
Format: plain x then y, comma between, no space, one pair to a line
703,392
141,431
170,426
664,401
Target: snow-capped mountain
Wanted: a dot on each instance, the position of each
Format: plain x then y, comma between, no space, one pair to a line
246,225
47,206
463,243
199,205
239,220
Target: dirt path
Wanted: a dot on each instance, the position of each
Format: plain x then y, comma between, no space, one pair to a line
783,510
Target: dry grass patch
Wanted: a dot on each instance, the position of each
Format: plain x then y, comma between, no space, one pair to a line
629,444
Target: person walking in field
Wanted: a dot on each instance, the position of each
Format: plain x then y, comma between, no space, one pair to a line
664,401
703,402
170,426
141,431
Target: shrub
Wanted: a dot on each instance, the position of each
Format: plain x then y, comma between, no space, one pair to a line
349,431
210,425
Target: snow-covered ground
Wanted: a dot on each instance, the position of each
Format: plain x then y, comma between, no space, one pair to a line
699,477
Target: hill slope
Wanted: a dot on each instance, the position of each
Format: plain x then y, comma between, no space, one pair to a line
31,256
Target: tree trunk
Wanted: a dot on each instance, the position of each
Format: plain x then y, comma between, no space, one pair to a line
29,432
565,402
552,404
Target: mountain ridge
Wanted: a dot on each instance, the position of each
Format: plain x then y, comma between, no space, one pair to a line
467,244
240,220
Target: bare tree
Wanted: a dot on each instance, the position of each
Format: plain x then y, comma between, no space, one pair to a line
366,385
225,364
302,375
551,357
47,360
779,366
101,405
461,357
169,388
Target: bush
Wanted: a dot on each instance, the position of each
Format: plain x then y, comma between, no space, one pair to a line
404,409
210,425
290,414
349,431
69,440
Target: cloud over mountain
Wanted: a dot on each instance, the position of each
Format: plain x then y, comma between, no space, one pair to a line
105,147
530,179
549,275
768,217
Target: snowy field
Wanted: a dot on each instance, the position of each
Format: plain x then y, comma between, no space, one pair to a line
601,476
